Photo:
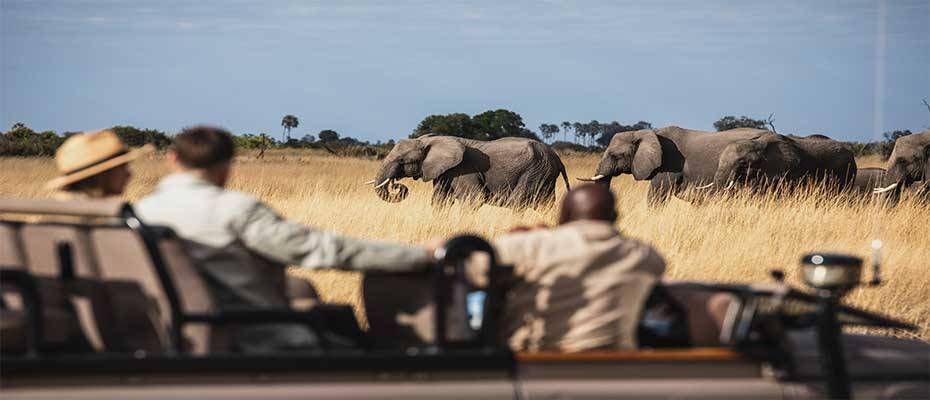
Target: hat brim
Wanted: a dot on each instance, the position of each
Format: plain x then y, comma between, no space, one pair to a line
64,180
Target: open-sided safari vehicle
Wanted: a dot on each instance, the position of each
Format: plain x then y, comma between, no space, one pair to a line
98,305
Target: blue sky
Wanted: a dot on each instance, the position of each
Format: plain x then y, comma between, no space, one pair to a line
373,70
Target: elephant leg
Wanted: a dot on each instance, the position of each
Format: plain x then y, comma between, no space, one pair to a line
662,186
442,193
529,192
469,189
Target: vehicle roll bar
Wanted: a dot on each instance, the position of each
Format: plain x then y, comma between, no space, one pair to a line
450,285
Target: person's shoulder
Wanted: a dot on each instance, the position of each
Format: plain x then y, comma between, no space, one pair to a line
236,200
643,251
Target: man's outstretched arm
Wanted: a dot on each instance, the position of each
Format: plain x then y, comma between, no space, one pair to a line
267,233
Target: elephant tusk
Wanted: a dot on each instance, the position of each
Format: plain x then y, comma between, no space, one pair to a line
371,182
884,189
730,185
383,183
594,178
705,186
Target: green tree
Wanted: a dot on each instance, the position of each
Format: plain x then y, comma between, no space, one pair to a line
289,122
328,135
499,123
548,131
489,125
577,129
565,127
135,137
456,124
730,122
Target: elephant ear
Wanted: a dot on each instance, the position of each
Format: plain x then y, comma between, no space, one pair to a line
782,157
442,154
926,170
648,155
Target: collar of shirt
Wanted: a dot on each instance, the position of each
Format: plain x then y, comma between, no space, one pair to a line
593,228
182,179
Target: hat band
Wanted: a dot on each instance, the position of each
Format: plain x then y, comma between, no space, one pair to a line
96,163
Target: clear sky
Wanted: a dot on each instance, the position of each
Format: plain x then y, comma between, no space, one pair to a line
374,69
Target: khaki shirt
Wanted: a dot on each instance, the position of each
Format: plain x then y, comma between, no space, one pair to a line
581,287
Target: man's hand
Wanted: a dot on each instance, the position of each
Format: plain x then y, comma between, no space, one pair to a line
526,228
432,245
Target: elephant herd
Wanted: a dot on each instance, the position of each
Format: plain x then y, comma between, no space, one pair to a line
519,173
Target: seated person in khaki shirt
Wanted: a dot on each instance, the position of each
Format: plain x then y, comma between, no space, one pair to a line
581,285
242,246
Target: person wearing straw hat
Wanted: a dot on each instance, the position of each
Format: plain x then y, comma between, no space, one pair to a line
93,165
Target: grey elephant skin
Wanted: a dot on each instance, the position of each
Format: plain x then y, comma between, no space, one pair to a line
772,158
908,164
675,158
868,179
509,172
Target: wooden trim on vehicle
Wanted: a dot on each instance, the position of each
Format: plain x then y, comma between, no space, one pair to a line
695,354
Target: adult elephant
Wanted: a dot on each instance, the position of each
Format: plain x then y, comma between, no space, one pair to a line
772,158
868,179
677,157
909,163
510,172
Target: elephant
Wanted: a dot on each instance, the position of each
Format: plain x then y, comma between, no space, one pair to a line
868,179
678,157
772,158
909,163
509,172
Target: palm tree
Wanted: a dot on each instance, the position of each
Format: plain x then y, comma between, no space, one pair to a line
565,127
289,121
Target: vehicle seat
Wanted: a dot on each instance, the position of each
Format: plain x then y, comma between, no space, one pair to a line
705,311
111,312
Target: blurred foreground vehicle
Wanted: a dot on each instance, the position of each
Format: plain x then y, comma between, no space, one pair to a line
98,305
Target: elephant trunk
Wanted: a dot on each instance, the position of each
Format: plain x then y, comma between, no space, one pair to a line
605,172
385,183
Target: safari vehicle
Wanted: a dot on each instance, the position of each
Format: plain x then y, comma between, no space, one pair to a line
98,305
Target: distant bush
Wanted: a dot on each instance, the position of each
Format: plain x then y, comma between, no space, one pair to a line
135,137
569,146
24,142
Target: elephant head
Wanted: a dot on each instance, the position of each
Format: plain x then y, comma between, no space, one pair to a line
427,157
909,162
755,160
637,152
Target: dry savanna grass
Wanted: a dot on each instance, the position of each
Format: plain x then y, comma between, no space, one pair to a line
734,239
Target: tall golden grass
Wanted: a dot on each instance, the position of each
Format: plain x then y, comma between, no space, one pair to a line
733,239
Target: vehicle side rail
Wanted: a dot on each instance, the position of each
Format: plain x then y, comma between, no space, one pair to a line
693,354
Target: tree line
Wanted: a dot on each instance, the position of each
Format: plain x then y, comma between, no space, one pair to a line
22,141
589,136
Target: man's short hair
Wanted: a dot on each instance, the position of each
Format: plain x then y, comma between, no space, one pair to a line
204,146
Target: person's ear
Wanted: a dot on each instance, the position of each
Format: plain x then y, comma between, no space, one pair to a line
171,158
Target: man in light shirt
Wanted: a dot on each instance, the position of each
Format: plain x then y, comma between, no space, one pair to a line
581,285
242,246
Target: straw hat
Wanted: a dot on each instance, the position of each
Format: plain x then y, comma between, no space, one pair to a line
85,155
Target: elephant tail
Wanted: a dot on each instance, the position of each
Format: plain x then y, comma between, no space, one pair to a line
565,178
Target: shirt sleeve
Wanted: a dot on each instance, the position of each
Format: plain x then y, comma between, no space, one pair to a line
264,231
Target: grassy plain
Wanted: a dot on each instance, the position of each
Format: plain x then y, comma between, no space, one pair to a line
735,239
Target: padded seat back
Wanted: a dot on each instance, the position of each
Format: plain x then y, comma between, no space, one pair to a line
705,311
11,255
40,243
192,291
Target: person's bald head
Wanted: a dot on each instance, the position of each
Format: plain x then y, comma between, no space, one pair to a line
588,202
